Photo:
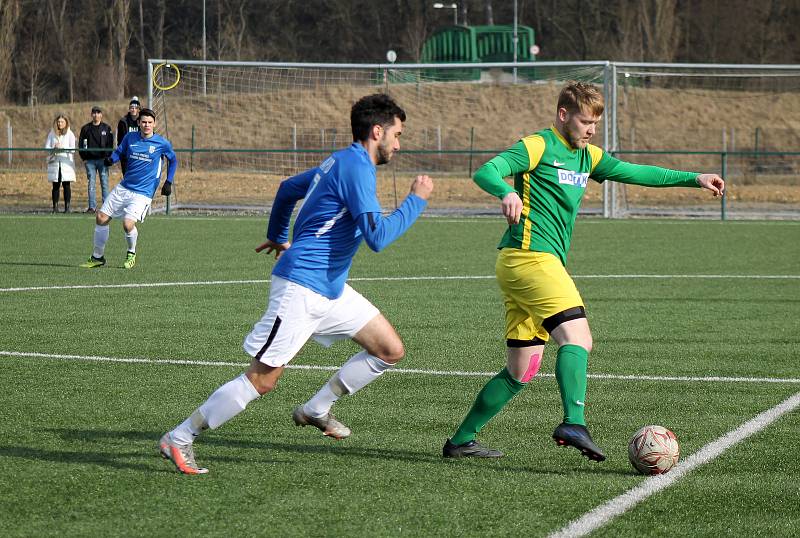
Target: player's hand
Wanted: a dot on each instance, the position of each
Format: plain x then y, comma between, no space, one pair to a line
108,162
422,187
166,188
712,182
512,207
271,246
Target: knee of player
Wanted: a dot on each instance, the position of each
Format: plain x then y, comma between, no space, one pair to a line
392,353
264,385
584,341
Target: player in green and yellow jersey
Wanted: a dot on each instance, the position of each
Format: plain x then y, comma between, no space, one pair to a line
550,170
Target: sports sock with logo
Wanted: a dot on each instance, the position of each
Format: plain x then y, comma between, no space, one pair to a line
359,371
489,402
131,239
225,403
100,239
571,364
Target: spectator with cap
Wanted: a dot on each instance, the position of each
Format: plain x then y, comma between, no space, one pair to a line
128,124
96,142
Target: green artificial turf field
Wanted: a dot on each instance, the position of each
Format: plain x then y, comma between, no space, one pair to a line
696,327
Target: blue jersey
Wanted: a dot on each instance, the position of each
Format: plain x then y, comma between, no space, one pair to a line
340,209
144,162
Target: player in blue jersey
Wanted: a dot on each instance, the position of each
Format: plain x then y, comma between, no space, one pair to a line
132,197
309,296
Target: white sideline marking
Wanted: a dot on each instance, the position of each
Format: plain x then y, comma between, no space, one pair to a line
601,515
191,362
382,279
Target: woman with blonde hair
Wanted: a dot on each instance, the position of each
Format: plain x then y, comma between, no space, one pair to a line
60,162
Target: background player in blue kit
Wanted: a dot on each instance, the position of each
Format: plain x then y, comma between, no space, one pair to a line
132,197
309,296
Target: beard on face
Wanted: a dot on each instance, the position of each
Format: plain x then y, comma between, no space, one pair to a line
575,139
385,152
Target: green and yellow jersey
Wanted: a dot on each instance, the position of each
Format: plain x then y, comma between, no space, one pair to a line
550,177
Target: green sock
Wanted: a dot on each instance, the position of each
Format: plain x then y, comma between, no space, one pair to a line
490,401
571,364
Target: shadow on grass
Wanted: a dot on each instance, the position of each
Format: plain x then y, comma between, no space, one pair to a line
327,447
40,264
115,460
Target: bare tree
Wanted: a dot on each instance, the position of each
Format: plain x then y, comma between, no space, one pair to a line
140,36
31,61
119,32
9,15
231,27
157,29
67,43
660,29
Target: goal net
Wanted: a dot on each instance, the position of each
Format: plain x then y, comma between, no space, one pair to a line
740,121
243,127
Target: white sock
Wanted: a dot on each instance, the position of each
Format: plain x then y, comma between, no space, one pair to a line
225,403
131,239
358,372
100,239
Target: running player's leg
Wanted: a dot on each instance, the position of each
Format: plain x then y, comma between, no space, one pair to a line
131,236
99,240
571,330
516,275
275,339
574,344
135,211
523,358
354,317
113,206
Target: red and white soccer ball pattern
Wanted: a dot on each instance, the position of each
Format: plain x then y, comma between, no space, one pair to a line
653,450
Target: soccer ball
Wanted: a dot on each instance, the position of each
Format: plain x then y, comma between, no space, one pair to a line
653,450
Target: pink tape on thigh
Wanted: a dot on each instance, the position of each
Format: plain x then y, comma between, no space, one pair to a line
533,367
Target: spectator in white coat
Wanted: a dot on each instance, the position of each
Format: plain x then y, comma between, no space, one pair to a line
60,161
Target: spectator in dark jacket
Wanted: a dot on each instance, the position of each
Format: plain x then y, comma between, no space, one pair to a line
95,143
128,124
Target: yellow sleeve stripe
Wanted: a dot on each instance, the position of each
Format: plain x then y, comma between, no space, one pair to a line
596,153
535,146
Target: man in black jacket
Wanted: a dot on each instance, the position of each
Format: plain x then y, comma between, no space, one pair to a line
128,124
95,144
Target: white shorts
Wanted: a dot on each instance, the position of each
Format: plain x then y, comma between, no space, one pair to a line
125,203
295,314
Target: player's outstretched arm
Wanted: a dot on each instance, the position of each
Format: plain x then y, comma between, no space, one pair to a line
270,246
712,182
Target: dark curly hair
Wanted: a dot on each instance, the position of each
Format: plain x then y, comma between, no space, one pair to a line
376,109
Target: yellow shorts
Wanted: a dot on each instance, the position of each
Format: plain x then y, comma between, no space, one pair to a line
535,286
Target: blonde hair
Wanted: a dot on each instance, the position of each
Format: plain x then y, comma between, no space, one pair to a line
55,124
580,96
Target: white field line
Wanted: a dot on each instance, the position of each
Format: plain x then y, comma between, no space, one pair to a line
604,513
385,279
190,362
